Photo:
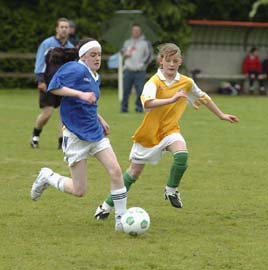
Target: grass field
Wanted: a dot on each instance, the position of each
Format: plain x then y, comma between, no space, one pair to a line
223,224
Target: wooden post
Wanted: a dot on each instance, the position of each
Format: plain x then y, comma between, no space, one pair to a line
120,77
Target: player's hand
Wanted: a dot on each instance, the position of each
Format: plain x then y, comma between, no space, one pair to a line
105,126
42,86
230,118
178,95
88,96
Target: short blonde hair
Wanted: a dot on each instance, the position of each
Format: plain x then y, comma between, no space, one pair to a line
61,20
166,50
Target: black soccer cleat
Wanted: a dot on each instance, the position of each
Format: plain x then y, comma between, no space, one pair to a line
101,214
174,198
34,144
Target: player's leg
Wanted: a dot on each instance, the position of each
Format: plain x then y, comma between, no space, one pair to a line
76,152
178,167
44,116
108,159
57,101
60,136
47,108
130,177
41,120
76,185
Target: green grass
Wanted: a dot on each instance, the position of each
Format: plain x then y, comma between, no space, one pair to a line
223,224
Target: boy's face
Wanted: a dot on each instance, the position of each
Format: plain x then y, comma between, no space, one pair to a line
62,30
170,64
136,31
93,59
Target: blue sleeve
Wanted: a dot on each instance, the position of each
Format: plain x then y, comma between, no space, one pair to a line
40,64
65,76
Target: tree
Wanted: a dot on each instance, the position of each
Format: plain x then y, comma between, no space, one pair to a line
255,7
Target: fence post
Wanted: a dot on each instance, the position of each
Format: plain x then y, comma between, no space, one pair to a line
120,77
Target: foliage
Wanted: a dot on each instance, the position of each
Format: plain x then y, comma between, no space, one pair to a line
170,15
231,10
25,24
223,222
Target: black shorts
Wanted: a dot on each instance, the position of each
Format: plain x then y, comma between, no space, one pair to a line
48,99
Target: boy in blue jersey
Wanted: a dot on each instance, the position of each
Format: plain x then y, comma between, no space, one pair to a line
44,70
84,132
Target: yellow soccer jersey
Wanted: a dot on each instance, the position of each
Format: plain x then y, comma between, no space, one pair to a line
164,120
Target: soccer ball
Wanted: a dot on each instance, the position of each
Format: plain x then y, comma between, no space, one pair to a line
135,221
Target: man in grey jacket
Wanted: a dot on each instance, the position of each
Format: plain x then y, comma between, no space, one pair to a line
136,52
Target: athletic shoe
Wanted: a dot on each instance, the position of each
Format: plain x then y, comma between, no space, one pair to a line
174,198
35,142
40,183
118,224
101,213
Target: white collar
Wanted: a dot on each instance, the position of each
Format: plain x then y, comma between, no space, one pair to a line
163,78
95,76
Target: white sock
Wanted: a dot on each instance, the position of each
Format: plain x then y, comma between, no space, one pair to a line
119,197
56,180
170,189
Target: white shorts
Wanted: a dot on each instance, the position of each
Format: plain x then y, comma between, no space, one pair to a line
75,149
152,155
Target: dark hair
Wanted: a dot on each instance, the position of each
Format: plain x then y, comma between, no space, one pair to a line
253,49
84,41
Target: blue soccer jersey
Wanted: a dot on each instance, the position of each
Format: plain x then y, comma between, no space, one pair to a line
78,115
44,47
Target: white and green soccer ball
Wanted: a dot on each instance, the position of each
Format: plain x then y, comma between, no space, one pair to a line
135,221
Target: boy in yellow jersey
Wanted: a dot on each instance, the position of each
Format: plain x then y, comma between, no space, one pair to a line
164,98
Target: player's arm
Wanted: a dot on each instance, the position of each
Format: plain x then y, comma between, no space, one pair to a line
40,67
69,92
196,97
150,101
211,105
153,103
106,127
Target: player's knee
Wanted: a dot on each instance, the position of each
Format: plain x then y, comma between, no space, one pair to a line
79,192
115,172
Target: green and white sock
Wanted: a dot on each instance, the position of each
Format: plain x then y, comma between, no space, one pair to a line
177,169
128,181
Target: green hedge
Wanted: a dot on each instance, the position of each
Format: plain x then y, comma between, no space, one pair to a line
24,24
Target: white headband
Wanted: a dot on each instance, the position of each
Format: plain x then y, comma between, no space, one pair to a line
87,46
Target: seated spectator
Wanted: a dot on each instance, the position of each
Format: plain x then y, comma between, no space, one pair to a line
253,69
230,88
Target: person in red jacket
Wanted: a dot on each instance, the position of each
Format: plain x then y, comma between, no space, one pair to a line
252,67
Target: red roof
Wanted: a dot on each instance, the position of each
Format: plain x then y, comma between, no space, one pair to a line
228,23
